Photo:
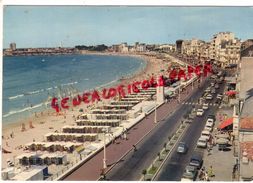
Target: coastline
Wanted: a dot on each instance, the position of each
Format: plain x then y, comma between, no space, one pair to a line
48,121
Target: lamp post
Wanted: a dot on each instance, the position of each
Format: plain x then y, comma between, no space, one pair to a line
192,84
104,160
155,120
179,94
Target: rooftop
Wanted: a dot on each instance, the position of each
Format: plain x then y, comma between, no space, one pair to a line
246,123
246,86
248,148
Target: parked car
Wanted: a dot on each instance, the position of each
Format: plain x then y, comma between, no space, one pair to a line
205,106
208,128
182,148
190,173
212,84
209,97
210,122
205,134
210,116
200,112
196,160
216,86
202,142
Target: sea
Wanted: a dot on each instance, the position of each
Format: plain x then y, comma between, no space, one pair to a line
29,82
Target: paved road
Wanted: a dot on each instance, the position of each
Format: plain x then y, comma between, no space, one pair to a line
175,165
131,166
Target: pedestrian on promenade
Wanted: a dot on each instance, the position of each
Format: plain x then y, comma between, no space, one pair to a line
135,149
124,136
208,149
210,172
206,177
201,174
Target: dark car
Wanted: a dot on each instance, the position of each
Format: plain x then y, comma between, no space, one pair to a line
196,160
182,148
211,117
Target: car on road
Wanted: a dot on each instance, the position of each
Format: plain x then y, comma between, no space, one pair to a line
209,97
182,148
219,96
202,142
211,116
213,77
216,86
205,106
200,112
205,134
212,84
213,91
196,160
208,89
190,173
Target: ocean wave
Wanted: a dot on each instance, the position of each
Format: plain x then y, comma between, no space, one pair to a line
34,92
107,84
66,84
23,110
15,97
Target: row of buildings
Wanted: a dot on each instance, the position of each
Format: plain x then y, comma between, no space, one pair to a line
141,47
224,48
14,51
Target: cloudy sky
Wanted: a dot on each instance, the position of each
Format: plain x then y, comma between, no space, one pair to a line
51,26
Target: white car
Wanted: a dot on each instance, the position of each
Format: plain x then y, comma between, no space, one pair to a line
209,120
205,134
200,112
208,127
217,86
202,142
209,97
205,106
219,96
209,123
208,90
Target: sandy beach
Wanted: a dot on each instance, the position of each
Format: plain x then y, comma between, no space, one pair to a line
13,139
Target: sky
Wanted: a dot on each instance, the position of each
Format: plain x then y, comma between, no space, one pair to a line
68,26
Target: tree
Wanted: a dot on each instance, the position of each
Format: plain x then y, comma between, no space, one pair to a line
144,172
158,154
165,145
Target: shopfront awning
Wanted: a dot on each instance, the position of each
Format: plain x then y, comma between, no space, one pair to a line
231,92
226,123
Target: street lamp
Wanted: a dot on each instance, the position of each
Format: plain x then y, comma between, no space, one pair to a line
104,160
155,120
